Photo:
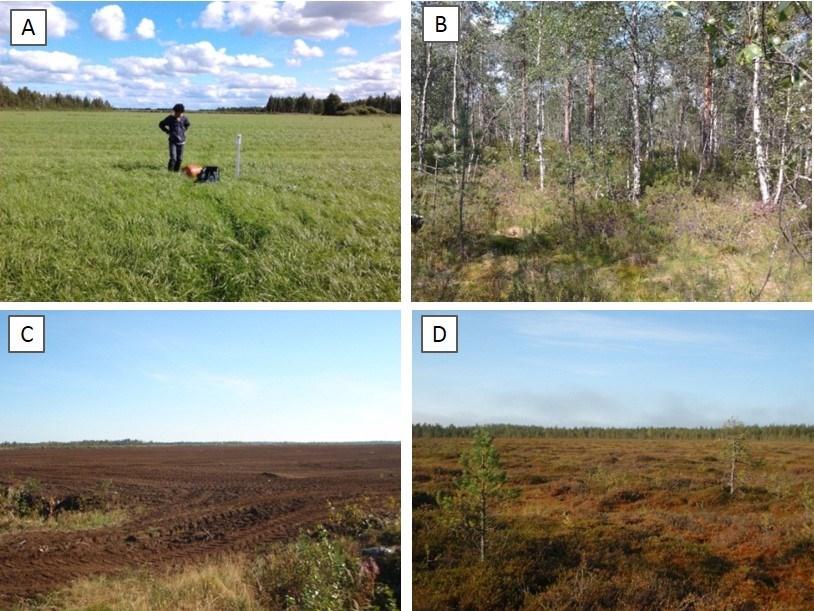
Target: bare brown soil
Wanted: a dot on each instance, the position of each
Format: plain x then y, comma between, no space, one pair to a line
185,502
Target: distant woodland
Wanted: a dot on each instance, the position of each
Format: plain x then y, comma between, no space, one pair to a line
767,432
573,151
26,99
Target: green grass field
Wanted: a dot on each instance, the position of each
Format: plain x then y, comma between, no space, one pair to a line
88,211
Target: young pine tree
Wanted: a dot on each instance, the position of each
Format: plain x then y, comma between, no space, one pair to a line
737,454
481,487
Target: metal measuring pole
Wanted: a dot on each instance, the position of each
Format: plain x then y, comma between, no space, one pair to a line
237,163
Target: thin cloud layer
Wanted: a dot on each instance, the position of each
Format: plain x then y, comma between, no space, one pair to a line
575,327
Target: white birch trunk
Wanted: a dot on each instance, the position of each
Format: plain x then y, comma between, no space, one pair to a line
782,171
454,111
637,135
422,118
524,109
540,105
760,153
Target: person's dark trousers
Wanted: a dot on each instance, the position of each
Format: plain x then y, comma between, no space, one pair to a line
176,155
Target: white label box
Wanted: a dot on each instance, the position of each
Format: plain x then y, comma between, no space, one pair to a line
28,27
440,23
26,333
439,334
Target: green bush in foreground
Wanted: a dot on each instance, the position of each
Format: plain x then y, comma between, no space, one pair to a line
21,501
318,572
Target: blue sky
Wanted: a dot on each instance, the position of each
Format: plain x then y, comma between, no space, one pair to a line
206,376
620,369
208,54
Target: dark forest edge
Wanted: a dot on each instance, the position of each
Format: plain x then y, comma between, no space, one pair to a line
26,99
756,432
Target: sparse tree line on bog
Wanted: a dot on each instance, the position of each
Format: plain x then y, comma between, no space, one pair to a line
754,432
587,94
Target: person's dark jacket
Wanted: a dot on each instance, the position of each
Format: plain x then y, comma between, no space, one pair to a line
176,128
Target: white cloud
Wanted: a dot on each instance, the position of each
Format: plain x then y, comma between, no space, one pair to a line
109,22
382,68
252,61
195,58
213,16
251,80
325,20
150,84
346,51
59,24
301,49
46,61
374,77
99,73
293,61
140,66
204,57
145,29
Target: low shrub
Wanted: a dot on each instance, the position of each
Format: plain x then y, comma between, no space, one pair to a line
319,572
359,111
22,501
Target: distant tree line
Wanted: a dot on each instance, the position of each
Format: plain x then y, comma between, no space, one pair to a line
331,105
93,443
769,432
26,99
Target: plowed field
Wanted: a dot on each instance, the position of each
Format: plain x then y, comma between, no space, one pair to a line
184,503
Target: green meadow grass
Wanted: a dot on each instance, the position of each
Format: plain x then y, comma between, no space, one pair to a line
88,211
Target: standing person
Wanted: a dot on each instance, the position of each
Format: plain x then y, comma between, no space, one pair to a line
175,126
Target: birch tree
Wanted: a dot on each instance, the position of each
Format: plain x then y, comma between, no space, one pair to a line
633,46
422,122
756,50
540,106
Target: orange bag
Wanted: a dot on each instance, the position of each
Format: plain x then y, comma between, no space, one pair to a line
192,170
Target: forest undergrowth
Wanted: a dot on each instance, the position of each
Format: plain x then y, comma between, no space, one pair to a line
686,240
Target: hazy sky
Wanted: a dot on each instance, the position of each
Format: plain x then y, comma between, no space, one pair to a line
208,54
205,376
620,369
